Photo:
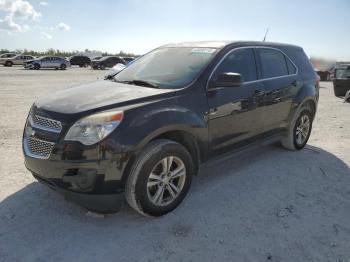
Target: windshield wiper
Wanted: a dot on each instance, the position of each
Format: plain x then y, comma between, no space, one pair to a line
139,83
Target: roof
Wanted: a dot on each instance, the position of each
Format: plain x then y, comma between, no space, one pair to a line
222,44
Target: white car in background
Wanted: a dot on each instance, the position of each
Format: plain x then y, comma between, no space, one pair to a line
16,60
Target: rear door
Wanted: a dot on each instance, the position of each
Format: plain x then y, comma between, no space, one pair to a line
235,113
281,82
18,60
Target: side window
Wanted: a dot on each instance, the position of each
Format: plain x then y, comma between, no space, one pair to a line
273,63
291,68
239,61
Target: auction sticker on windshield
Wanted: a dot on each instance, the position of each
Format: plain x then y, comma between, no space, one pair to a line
203,50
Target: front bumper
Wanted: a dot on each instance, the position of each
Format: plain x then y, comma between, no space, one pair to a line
84,183
102,203
91,176
29,66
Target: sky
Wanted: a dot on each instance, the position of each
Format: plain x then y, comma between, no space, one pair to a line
137,26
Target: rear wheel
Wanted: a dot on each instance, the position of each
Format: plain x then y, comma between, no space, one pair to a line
160,178
102,67
36,66
63,67
299,130
8,63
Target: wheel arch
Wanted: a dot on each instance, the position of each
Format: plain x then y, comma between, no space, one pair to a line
179,135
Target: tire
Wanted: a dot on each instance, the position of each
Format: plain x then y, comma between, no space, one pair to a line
292,139
142,190
63,67
36,66
8,63
102,67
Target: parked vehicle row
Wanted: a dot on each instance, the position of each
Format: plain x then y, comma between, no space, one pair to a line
30,62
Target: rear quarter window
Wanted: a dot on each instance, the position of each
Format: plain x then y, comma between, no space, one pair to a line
273,63
301,60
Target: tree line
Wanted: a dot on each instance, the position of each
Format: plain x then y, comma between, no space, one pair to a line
62,53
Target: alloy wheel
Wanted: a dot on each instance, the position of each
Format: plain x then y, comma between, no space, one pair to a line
302,129
166,181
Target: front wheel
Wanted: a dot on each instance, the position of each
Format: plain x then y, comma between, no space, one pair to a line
36,66
160,178
8,64
299,130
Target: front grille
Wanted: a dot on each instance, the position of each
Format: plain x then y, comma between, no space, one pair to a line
45,123
39,148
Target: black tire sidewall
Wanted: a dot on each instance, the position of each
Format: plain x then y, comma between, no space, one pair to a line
172,149
63,67
309,114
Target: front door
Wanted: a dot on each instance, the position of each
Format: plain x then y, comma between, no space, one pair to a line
235,113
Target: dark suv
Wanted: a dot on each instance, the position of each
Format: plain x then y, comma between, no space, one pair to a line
107,62
145,132
341,81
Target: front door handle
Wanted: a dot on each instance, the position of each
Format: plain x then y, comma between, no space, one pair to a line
294,83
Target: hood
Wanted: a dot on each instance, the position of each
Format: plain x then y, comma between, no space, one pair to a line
99,95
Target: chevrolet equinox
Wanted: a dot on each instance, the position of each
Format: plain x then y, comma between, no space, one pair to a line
144,133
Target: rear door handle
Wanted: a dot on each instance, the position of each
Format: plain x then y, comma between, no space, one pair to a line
259,92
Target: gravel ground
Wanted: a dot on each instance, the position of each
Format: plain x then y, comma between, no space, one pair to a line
267,204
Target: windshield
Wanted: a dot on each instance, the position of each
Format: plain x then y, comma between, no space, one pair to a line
342,73
169,67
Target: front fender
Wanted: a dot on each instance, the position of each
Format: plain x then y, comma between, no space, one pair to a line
144,123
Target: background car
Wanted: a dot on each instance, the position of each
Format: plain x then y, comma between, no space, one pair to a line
16,60
114,70
48,62
341,81
80,60
107,62
128,59
8,55
96,58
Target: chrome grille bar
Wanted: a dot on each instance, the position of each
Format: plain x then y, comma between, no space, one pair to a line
45,123
38,148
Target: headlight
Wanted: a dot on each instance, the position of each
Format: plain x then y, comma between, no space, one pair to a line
92,129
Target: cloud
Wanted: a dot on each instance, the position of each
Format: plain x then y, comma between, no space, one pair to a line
63,27
45,35
43,3
19,9
7,24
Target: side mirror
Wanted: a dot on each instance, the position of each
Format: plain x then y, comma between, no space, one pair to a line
228,79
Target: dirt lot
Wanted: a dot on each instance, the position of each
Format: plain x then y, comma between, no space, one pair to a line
267,204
